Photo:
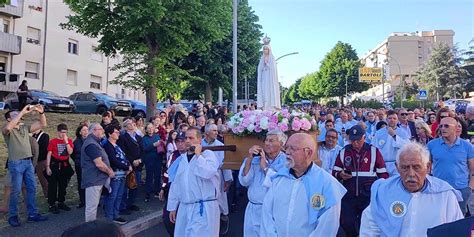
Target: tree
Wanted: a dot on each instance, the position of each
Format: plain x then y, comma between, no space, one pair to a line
212,68
292,95
151,35
3,2
468,65
341,64
310,87
442,73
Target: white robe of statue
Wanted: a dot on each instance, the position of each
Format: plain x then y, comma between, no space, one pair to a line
268,88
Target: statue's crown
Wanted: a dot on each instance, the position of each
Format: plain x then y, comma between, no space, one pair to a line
266,40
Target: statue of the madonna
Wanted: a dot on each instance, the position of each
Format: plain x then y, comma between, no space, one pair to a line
268,88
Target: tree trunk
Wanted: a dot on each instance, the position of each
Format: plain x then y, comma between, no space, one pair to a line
341,98
208,95
150,89
150,101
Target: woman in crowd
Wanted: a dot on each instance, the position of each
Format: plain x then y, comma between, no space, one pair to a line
121,167
140,125
191,121
442,113
166,121
171,143
81,133
423,131
179,118
160,129
153,152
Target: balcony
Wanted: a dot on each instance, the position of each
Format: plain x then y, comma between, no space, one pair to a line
15,9
9,82
10,43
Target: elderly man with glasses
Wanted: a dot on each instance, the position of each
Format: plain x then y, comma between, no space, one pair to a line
406,124
328,150
453,159
303,199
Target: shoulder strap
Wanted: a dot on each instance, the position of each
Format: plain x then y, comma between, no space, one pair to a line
373,157
341,156
39,136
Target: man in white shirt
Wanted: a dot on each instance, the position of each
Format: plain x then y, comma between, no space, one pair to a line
409,204
210,139
303,200
255,173
328,150
195,189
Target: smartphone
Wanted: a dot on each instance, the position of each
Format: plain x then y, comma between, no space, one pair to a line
192,148
347,172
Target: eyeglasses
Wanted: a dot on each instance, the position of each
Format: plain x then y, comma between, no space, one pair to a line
403,114
293,149
444,125
442,117
332,137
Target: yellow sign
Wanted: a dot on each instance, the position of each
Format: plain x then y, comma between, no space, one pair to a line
370,74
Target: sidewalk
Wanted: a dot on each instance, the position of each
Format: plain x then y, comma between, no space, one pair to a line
60,222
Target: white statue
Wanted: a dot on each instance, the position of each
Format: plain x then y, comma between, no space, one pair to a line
268,88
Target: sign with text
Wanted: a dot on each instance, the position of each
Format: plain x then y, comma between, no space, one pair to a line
370,74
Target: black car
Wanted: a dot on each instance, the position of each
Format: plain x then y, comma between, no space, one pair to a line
93,102
50,100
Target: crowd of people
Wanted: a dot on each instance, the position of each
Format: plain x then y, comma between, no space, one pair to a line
376,170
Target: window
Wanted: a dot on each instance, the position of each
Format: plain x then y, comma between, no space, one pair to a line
96,82
4,25
72,46
82,97
95,55
32,70
71,77
33,35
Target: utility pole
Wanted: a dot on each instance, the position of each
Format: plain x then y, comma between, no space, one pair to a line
234,56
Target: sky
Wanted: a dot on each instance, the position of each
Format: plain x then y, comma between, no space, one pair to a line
313,27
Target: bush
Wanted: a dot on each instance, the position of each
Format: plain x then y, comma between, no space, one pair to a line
332,103
373,104
413,104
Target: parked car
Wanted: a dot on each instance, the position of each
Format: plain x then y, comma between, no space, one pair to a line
92,102
50,100
138,108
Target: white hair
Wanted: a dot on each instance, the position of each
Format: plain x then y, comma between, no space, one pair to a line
92,127
416,148
281,136
210,127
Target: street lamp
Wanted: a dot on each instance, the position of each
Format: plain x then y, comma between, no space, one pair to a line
401,79
285,55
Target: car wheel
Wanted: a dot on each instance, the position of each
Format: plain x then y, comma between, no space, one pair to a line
101,110
141,114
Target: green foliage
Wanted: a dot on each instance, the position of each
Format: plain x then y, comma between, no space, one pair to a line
373,104
310,87
292,95
3,2
442,72
151,35
212,68
339,65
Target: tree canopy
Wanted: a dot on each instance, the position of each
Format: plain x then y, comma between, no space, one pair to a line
151,35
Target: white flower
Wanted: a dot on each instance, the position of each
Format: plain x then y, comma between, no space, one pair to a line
285,120
252,118
264,123
251,127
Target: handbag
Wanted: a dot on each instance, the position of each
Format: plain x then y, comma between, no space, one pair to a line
131,180
160,149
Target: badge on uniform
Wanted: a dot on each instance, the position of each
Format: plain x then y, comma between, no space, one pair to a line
318,201
381,142
398,209
365,160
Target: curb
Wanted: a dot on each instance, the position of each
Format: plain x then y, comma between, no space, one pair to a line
142,223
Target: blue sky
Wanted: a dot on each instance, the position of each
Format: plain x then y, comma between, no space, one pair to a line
313,27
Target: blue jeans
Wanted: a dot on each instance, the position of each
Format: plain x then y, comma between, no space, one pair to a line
113,200
153,174
128,198
466,193
22,171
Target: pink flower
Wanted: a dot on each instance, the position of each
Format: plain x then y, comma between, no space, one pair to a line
296,125
245,122
257,129
305,124
240,129
272,126
274,119
246,113
283,127
285,113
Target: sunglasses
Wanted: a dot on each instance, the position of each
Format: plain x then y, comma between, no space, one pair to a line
445,116
404,114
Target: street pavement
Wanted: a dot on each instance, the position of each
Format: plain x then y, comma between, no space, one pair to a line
64,220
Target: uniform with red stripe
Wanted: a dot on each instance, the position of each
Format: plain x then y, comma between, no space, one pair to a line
365,163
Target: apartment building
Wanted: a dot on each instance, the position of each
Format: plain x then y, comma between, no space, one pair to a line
53,59
402,55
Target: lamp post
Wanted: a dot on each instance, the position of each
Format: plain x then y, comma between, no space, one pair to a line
285,55
383,81
234,55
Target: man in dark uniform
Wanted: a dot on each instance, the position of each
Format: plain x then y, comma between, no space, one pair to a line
358,165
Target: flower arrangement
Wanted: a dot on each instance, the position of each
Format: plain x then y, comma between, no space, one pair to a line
258,122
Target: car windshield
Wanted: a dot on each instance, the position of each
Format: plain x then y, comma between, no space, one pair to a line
44,94
105,96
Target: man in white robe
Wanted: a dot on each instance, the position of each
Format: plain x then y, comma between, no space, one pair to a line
409,204
225,175
195,189
255,172
389,140
303,200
